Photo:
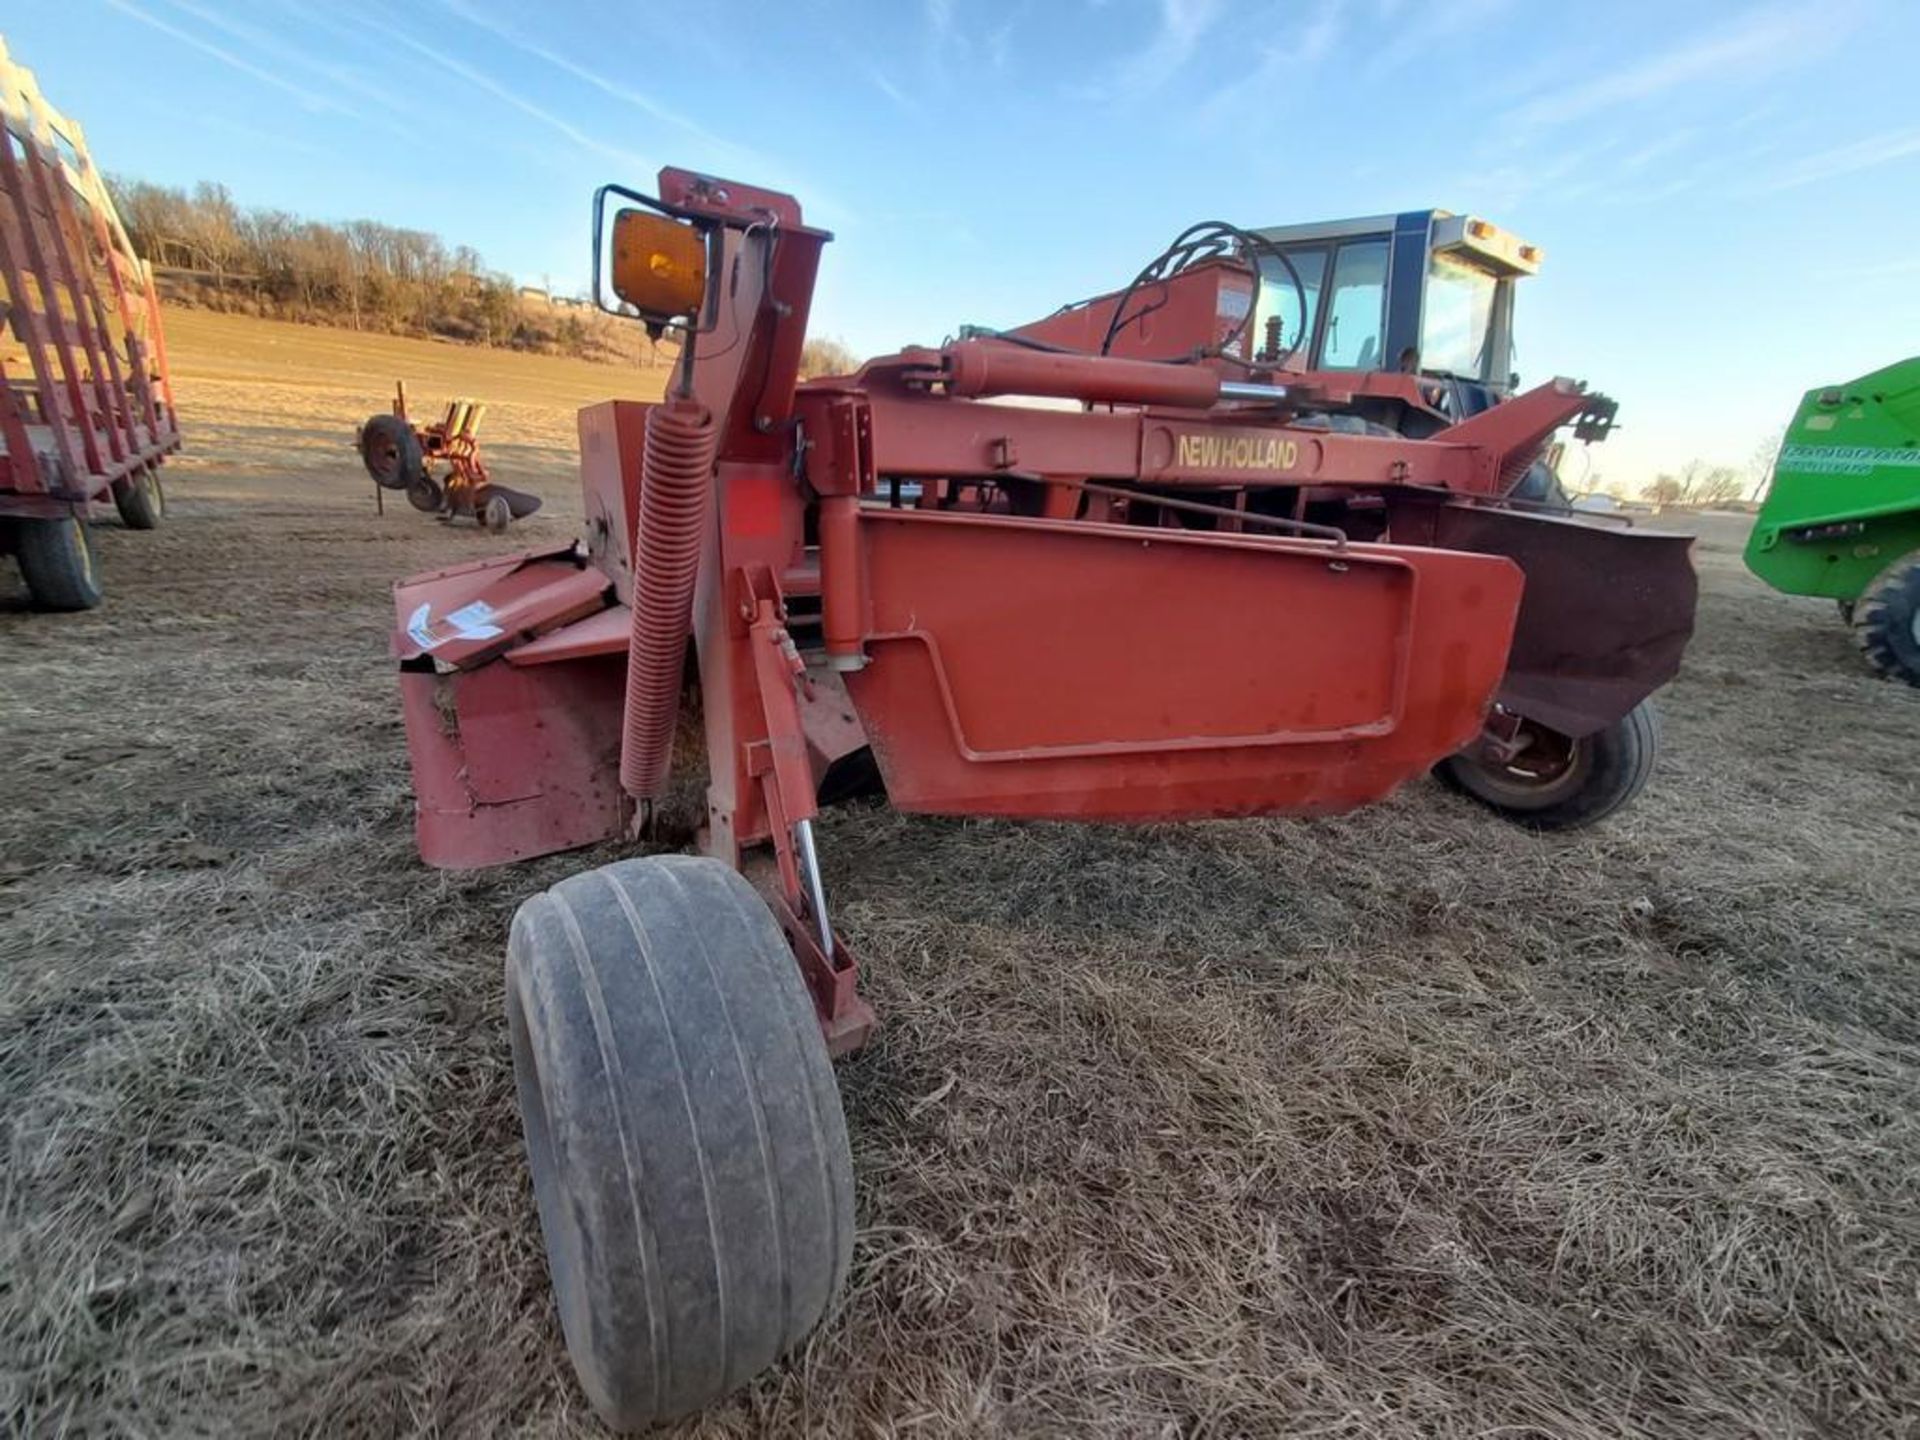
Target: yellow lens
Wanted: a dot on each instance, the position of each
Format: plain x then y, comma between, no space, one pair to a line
659,264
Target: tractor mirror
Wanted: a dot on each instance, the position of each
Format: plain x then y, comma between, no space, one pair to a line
659,264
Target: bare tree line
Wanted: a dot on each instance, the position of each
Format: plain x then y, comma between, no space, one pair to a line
1697,483
359,273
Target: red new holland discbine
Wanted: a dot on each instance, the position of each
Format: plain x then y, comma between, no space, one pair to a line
1205,585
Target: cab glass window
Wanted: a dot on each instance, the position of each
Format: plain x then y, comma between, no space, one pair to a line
1356,308
1457,329
1279,297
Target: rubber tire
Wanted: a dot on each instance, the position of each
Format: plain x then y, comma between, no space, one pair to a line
688,1149
426,495
383,434
1616,763
140,500
496,514
1886,621
56,560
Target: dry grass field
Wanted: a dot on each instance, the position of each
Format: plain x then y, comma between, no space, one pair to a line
1406,1124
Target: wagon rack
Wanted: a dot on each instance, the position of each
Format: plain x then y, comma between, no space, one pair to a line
86,408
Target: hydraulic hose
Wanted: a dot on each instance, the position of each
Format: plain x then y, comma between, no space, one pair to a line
676,478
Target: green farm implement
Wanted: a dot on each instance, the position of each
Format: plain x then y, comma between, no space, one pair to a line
1842,515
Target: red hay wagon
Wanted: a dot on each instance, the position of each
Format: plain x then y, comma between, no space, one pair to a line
86,409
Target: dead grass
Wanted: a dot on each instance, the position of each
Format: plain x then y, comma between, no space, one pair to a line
1406,1124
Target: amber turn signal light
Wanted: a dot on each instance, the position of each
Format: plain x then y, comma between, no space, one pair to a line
659,265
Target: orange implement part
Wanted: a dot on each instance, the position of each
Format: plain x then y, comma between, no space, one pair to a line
1040,669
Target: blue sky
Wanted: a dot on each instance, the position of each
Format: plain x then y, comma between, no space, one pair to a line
1728,194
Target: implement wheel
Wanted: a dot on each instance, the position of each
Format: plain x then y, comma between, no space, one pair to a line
139,499
391,452
425,494
56,559
1555,782
688,1150
1886,621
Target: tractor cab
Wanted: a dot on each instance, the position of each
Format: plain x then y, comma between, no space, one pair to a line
1427,292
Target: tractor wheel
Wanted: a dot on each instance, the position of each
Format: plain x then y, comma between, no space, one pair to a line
56,558
390,450
496,515
1886,620
688,1150
140,500
1557,782
425,494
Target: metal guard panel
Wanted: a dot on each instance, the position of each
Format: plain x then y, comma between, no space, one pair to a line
1043,668
465,615
509,763
1607,617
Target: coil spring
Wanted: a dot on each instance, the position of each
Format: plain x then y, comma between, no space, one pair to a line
676,472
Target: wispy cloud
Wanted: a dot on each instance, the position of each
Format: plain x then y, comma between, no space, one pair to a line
1503,186
1657,149
312,100
634,163
1868,154
1278,63
1176,35
747,162
939,15
619,90
1415,35
886,85
1873,270
260,43
1757,44
1000,40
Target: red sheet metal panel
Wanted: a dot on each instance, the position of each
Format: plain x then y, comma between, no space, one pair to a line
467,614
612,436
510,763
1046,669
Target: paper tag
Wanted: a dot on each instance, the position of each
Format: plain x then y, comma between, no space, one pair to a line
469,622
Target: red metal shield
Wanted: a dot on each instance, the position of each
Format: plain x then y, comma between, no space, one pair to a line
1071,670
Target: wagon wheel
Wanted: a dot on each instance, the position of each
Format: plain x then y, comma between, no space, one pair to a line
425,494
390,450
689,1154
139,499
1560,782
56,560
